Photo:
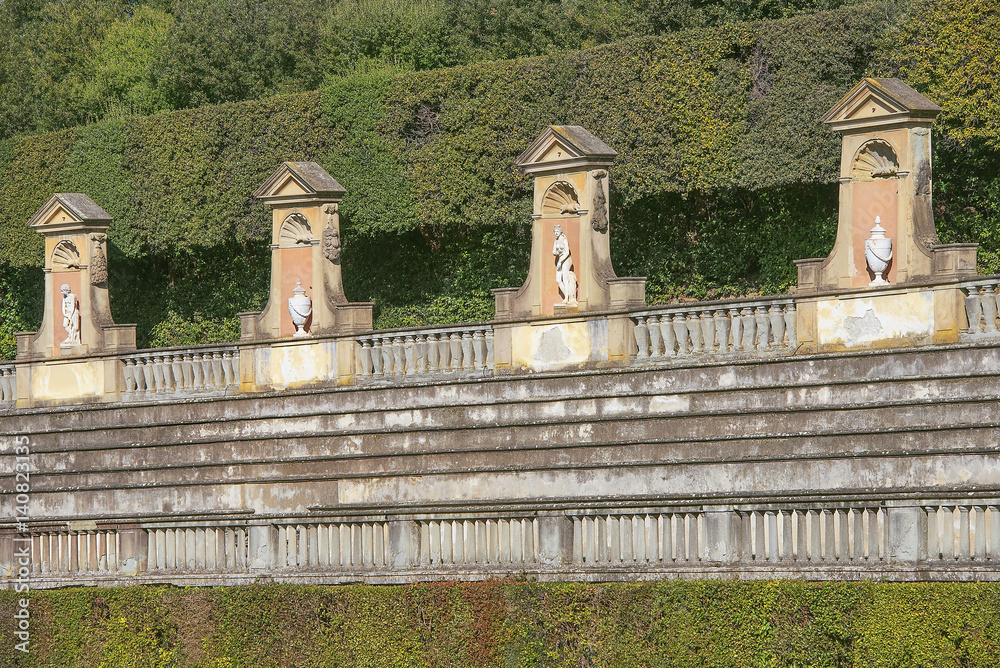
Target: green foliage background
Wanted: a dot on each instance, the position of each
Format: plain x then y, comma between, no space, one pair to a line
512,623
724,177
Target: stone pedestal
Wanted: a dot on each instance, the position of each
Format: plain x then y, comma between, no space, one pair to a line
305,250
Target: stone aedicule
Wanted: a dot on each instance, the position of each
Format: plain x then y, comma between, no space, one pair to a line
885,233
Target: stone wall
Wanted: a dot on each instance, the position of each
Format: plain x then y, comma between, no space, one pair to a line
866,464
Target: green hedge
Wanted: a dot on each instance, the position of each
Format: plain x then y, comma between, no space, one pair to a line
510,623
725,174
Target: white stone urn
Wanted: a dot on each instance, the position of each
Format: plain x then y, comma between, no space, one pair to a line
878,252
300,308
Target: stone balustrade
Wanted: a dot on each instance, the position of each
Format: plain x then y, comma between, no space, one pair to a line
814,535
163,374
8,385
982,307
707,329
445,351
822,537
963,532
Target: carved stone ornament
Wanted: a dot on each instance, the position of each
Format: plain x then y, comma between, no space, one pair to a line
878,252
65,256
560,198
565,276
300,308
71,318
99,263
599,217
295,230
331,235
876,159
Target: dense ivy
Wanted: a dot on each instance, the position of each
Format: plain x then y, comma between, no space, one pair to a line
515,623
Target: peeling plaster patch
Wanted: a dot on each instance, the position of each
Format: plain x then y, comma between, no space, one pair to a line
861,321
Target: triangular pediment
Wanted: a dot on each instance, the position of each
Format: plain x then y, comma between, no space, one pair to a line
562,145
66,211
875,100
295,180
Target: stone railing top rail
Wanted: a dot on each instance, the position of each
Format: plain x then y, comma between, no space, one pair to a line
176,350
978,281
429,329
740,302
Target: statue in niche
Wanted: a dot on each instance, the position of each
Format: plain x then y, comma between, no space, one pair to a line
331,235
71,318
99,265
565,278
599,219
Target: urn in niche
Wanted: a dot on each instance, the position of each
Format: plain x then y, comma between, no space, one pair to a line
300,308
878,252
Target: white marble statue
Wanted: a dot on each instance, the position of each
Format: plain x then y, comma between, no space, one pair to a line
565,278
71,318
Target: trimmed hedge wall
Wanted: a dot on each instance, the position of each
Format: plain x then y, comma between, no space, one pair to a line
513,623
725,175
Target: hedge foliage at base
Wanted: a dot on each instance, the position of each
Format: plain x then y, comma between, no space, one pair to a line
725,174
773,624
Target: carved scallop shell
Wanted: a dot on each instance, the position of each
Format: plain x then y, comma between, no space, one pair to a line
295,230
560,198
876,159
65,256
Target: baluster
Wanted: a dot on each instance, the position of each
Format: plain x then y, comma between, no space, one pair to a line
456,351
708,332
377,361
790,326
206,371
652,329
365,354
157,362
177,366
489,350
420,350
128,370
388,358
721,318
973,309
444,352
694,329
763,327
641,331
777,326
187,367
433,354
987,300
667,335
749,329
680,333
227,367
479,349
197,373
219,379
468,364
410,354
737,322
234,362
398,359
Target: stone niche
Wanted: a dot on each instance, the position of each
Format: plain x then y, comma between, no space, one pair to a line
570,166
570,270
885,194
305,259
76,318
